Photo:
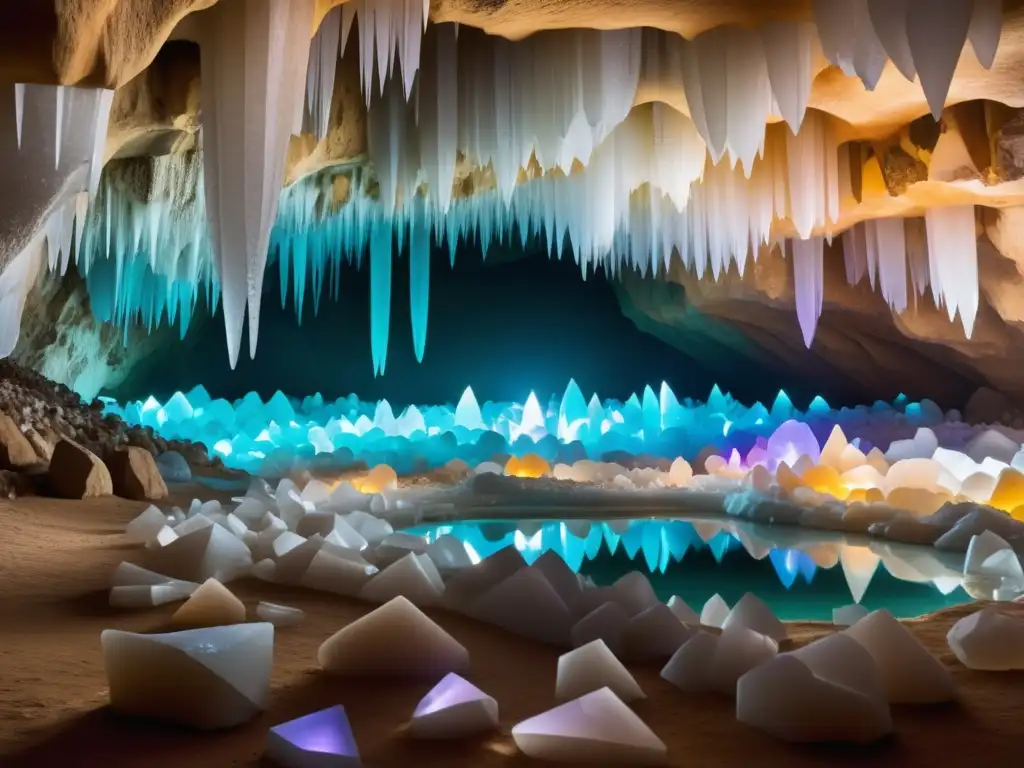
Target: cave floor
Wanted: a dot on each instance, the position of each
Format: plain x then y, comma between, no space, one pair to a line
56,558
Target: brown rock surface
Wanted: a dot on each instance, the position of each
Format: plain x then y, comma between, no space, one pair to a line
135,474
77,473
16,452
53,606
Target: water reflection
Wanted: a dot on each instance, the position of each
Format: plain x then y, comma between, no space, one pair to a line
802,573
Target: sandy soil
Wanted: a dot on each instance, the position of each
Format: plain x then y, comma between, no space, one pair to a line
56,558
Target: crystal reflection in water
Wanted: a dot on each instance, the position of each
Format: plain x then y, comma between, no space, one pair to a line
801,573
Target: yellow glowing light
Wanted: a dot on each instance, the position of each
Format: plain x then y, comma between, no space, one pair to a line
380,478
825,479
530,465
1008,494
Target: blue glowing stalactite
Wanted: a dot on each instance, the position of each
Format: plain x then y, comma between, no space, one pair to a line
419,280
380,292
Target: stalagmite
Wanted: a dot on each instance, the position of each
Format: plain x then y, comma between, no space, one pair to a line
252,92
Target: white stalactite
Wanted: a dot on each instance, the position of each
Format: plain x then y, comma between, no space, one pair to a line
254,54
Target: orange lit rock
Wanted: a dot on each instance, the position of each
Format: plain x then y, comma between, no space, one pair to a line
1008,494
530,465
824,479
787,478
380,478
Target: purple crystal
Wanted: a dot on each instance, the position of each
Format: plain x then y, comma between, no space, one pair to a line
789,442
326,732
451,691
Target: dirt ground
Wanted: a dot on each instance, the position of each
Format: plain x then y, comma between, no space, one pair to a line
55,561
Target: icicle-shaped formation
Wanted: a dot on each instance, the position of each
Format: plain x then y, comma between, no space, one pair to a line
419,277
923,38
891,242
147,262
380,291
253,58
323,64
808,284
953,261
387,28
52,143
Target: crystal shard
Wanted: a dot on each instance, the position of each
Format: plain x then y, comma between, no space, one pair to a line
526,604
454,709
752,613
212,605
596,728
396,639
606,622
253,54
210,678
936,41
910,674
319,740
405,577
591,667
715,611
654,634
280,615
988,640
829,690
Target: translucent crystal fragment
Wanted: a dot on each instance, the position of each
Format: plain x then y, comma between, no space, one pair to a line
454,708
209,678
595,728
319,740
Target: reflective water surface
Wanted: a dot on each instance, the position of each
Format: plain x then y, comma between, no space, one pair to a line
801,573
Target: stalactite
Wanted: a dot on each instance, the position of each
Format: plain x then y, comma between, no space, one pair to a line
253,58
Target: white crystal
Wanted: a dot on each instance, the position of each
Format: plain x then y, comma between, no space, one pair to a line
208,678
211,605
988,640
910,674
280,615
595,729
752,613
591,667
715,611
397,639
405,577
829,690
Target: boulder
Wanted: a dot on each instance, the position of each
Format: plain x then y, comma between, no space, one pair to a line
76,473
135,474
16,452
